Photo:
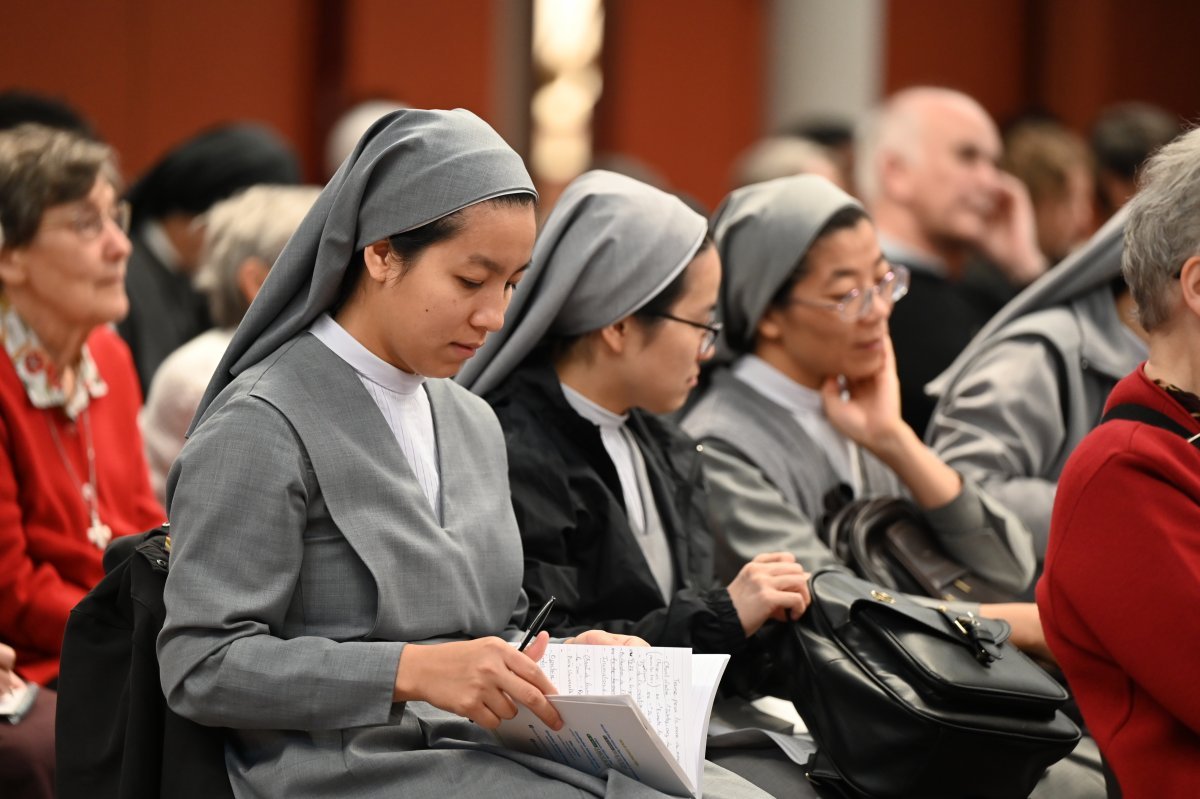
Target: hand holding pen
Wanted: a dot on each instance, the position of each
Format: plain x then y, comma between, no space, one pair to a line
539,621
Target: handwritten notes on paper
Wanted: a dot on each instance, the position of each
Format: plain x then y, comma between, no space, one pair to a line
658,679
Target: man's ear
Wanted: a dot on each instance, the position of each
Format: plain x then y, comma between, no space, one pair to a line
375,258
895,176
1189,283
616,335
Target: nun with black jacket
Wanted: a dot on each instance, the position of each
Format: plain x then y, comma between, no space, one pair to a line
608,331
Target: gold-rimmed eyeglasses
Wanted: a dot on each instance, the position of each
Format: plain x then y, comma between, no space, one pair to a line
856,304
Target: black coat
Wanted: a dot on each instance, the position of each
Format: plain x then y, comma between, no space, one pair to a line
578,543
165,311
930,327
116,737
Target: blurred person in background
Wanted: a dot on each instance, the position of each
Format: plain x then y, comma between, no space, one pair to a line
780,156
350,127
1014,405
927,172
165,309
72,472
18,107
1122,138
26,744
243,236
1056,167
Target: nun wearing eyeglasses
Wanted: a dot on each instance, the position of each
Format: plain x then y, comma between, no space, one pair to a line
346,570
809,399
607,331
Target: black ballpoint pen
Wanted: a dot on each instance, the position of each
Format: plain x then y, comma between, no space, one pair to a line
536,627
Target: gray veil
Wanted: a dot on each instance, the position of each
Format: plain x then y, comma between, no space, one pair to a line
1097,263
762,231
410,168
610,245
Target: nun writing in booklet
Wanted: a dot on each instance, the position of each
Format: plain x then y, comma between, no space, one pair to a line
345,578
607,331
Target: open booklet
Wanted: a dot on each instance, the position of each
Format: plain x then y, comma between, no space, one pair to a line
642,711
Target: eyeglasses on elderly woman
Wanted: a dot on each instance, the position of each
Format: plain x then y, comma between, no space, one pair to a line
87,221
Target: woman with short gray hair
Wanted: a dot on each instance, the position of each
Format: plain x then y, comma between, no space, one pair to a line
243,237
1127,512
72,475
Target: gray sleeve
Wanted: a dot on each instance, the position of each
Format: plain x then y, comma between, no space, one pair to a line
981,533
242,488
751,516
1002,427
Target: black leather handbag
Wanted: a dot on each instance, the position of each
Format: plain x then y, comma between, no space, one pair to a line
888,542
907,701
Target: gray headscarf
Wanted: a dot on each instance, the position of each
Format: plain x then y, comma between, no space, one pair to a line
1097,263
410,168
610,245
762,231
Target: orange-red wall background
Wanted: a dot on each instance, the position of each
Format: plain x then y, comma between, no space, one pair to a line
684,79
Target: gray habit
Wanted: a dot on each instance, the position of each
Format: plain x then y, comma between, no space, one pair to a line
306,556
610,245
1012,408
768,477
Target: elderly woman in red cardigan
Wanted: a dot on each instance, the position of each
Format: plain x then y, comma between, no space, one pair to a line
1122,582
72,472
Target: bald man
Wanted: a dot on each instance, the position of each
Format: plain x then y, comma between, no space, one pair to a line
926,167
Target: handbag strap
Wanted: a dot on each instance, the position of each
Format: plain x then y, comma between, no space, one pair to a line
1132,412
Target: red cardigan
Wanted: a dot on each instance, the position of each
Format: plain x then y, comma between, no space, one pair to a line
1120,595
47,563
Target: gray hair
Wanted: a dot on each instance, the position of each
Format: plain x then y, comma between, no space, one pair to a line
779,157
896,127
255,223
42,167
1164,227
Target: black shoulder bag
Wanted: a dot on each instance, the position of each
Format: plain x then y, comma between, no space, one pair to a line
911,701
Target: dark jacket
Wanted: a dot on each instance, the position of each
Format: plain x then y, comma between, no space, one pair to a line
930,327
165,311
578,543
116,737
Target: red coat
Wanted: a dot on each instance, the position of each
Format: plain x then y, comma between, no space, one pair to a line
47,563
1120,596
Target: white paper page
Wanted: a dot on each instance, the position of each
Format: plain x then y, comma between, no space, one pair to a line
16,700
659,680
599,733
706,675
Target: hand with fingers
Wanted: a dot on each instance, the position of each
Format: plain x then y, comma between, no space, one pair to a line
482,680
1010,240
866,410
604,638
772,586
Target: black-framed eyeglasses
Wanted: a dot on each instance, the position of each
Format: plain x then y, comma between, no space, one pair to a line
711,330
857,303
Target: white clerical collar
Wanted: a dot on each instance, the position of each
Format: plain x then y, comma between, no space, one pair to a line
778,387
361,359
597,415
